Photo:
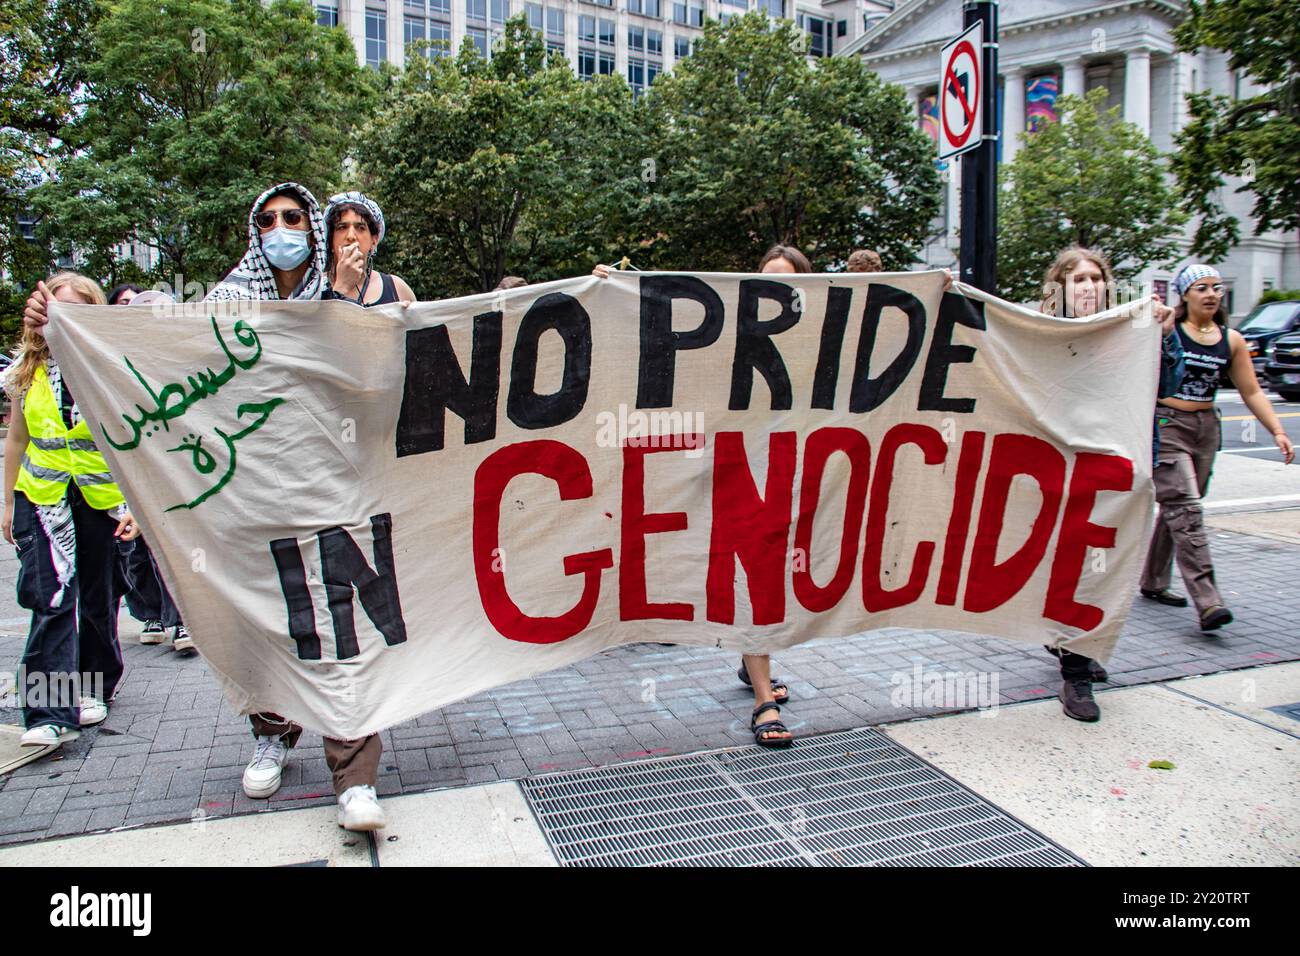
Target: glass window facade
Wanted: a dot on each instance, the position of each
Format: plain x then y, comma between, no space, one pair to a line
376,37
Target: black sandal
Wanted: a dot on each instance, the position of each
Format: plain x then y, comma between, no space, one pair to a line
777,685
768,727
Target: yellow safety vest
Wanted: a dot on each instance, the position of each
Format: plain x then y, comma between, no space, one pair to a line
57,454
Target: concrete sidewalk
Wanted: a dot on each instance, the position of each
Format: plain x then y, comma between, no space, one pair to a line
1229,799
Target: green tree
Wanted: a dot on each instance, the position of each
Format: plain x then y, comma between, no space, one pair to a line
1256,137
1092,180
190,109
755,145
43,48
507,165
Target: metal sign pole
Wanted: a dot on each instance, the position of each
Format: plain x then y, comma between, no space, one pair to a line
979,167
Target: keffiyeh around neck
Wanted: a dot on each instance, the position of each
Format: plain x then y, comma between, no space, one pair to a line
56,519
253,278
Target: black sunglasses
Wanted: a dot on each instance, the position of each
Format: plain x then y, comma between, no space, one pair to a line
292,217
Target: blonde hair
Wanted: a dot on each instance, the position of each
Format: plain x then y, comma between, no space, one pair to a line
33,351
1053,300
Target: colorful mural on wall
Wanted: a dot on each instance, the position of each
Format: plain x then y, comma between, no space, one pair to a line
929,116
1040,101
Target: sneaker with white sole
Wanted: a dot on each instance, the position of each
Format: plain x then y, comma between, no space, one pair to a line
93,711
262,775
182,642
359,809
48,735
153,633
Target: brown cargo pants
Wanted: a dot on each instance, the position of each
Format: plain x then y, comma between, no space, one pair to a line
1188,442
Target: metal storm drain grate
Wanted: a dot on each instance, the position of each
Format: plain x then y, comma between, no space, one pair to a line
855,798
1287,710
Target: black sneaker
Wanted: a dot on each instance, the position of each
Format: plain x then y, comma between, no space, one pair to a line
1164,596
1077,701
1214,617
182,643
153,633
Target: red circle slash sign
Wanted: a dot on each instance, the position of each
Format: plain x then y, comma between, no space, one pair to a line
967,106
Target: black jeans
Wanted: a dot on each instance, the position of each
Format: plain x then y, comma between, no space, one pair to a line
72,649
146,595
1074,666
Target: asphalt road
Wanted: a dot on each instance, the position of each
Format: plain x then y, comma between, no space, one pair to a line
1244,435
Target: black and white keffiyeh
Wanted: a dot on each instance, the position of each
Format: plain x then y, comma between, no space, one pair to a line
253,279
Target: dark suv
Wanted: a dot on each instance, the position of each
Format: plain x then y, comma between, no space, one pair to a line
1263,326
1282,370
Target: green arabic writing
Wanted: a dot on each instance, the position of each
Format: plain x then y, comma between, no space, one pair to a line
205,462
172,401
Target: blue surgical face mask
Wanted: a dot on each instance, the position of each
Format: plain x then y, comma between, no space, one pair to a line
285,248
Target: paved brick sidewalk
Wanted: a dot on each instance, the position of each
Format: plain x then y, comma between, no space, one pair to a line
172,746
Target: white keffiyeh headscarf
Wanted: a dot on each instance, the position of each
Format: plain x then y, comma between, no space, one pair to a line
253,278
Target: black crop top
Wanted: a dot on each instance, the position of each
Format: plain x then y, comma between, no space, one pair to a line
1204,364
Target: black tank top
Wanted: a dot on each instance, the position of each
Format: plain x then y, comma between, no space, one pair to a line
1204,365
389,293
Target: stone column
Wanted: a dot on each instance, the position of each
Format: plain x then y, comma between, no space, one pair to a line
1072,77
1013,112
396,33
352,17
1137,89
457,25
571,35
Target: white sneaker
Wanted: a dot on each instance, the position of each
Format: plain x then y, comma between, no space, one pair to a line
182,642
262,775
153,633
93,711
359,809
48,735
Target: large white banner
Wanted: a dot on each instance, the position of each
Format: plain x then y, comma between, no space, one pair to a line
368,514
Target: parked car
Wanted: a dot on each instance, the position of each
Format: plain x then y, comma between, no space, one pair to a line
1264,324
1282,370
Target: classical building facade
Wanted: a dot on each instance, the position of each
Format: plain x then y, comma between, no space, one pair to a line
1048,48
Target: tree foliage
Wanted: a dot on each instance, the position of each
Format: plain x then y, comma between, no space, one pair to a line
1256,137
1092,180
754,145
507,165
190,109
44,45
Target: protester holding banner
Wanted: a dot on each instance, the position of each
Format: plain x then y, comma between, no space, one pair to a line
1189,438
354,228
123,293
1078,284
62,511
286,259
864,260
147,597
756,669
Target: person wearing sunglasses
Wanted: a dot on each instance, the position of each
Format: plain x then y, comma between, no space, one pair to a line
354,228
1189,438
286,260
285,257
286,249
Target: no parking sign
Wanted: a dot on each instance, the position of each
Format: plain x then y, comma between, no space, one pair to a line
961,117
